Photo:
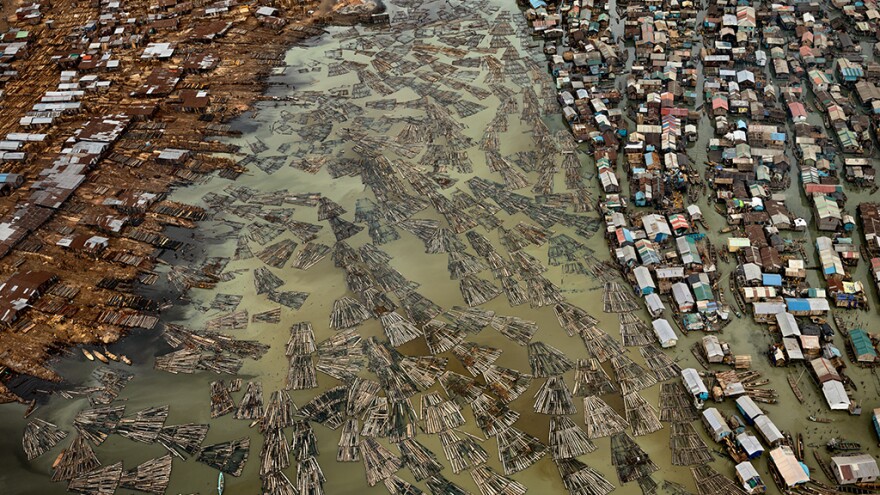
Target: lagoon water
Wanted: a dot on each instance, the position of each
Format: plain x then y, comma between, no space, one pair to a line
326,110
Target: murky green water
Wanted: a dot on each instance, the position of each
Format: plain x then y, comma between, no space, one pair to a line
281,127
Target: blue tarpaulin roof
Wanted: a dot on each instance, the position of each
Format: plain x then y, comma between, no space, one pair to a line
771,279
797,304
537,4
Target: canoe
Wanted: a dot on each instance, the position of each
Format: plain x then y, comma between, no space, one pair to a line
88,355
100,357
110,355
125,359
220,484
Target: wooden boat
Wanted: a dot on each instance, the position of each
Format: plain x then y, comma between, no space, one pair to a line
110,355
100,357
839,445
220,484
57,460
794,388
819,420
125,359
823,465
88,355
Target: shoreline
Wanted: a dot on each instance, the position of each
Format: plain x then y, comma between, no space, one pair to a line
235,82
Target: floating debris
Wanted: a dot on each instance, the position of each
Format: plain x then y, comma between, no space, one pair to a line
518,450
546,360
145,425
491,483
663,367
379,462
634,331
630,376
221,400
686,446
228,457
580,479
630,461
421,462
617,299
348,313
99,481
641,416
554,398
183,439
75,461
96,424
40,436
507,384
601,419
567,439
151,476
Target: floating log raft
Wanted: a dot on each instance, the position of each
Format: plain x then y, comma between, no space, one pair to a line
438,485
492,415
277,483
630,461
310,255
554,398
711,482
541,291
460,388
476,291
443,240
182,361
276,255
527,264
302,340
232,321
663,367
491,483
641,415
226,302
676,404
151,476
348,313
618,299
221,400
507,384
309,477
634,331
402,421
341,356
327,408
398,329
514,291
573,319
305,443
546,360
183,439
361,395
421,462
397,486
472,320
113,381
229,457
462,453
96,424
516,329
343,229
423,229
601,419
99,481
384,361
376,421
686,446
599,344
462,264
591,379
76,460
512,240
349,442
476,358
251,406
567,439
580,479
441,336
439,414
327,208
265,281
278,413
518,450
291,299
40,436
423,370
145,425
379,462
301,373
630,376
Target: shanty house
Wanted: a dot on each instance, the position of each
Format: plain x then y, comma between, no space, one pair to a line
791,471
664,332
715,424
849,469
862,347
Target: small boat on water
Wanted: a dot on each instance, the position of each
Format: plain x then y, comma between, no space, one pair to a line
101,357
819,420
88,355
110,355
792,382
220,484
839,445
57,460
125,359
